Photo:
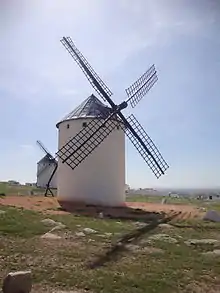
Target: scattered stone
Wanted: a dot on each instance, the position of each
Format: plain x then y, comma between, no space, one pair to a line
51,236
80,234
49,222
69,291
163,237
89,231
202,209
191,242
212,216
132,247
145,242
165,226
17,282
91,240
152,250
78,226
140,224
108,234
101,215
58,227
212,253
2,212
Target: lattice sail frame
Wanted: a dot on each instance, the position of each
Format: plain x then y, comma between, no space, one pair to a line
140,88
153,158
78,148
79,58
71,151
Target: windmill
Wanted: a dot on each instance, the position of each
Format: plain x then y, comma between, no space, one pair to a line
46,169
77,148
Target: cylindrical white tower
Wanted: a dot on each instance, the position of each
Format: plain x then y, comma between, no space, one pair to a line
100,178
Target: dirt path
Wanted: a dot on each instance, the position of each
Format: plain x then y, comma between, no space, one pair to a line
50,205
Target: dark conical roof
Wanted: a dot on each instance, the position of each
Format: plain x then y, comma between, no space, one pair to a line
46,159
92,107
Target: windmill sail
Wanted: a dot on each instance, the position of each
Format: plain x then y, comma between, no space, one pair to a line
145,146
139,89
96,82
44,149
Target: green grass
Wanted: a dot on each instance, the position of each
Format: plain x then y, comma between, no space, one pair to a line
19,190
64,264
158,199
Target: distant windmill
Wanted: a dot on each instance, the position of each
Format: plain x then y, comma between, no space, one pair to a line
46,169
101,177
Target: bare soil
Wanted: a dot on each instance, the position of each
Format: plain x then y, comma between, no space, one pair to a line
51,206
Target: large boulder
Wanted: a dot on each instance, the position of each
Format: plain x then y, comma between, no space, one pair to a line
212,216
17,282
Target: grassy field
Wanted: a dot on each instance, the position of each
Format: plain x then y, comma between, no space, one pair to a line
19,190
158,199
142,265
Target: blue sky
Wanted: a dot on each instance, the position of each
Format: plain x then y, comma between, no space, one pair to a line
39,83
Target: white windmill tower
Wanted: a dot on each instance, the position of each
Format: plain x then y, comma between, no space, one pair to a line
45,168
101,178
91,155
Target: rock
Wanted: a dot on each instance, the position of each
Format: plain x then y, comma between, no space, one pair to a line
212,253
49,222
78,226
140,224
108,234
202,209
89,231
152,250
2,212
191,242
101,215
80,234
51,236
58,227
212,216
165,226
91,240
132,247
17,282
163,237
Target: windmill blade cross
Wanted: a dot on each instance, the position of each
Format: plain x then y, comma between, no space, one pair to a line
139,89
80,146
96,82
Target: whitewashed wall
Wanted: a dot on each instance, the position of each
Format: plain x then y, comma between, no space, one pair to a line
100,178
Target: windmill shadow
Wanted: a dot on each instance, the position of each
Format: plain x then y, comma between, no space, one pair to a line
123,213
115,251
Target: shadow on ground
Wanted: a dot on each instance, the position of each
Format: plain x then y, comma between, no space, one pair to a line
120,213
114,252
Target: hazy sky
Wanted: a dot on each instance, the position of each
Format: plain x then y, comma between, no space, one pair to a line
39,82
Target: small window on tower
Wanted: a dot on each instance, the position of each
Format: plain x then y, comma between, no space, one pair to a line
84,124
68,126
